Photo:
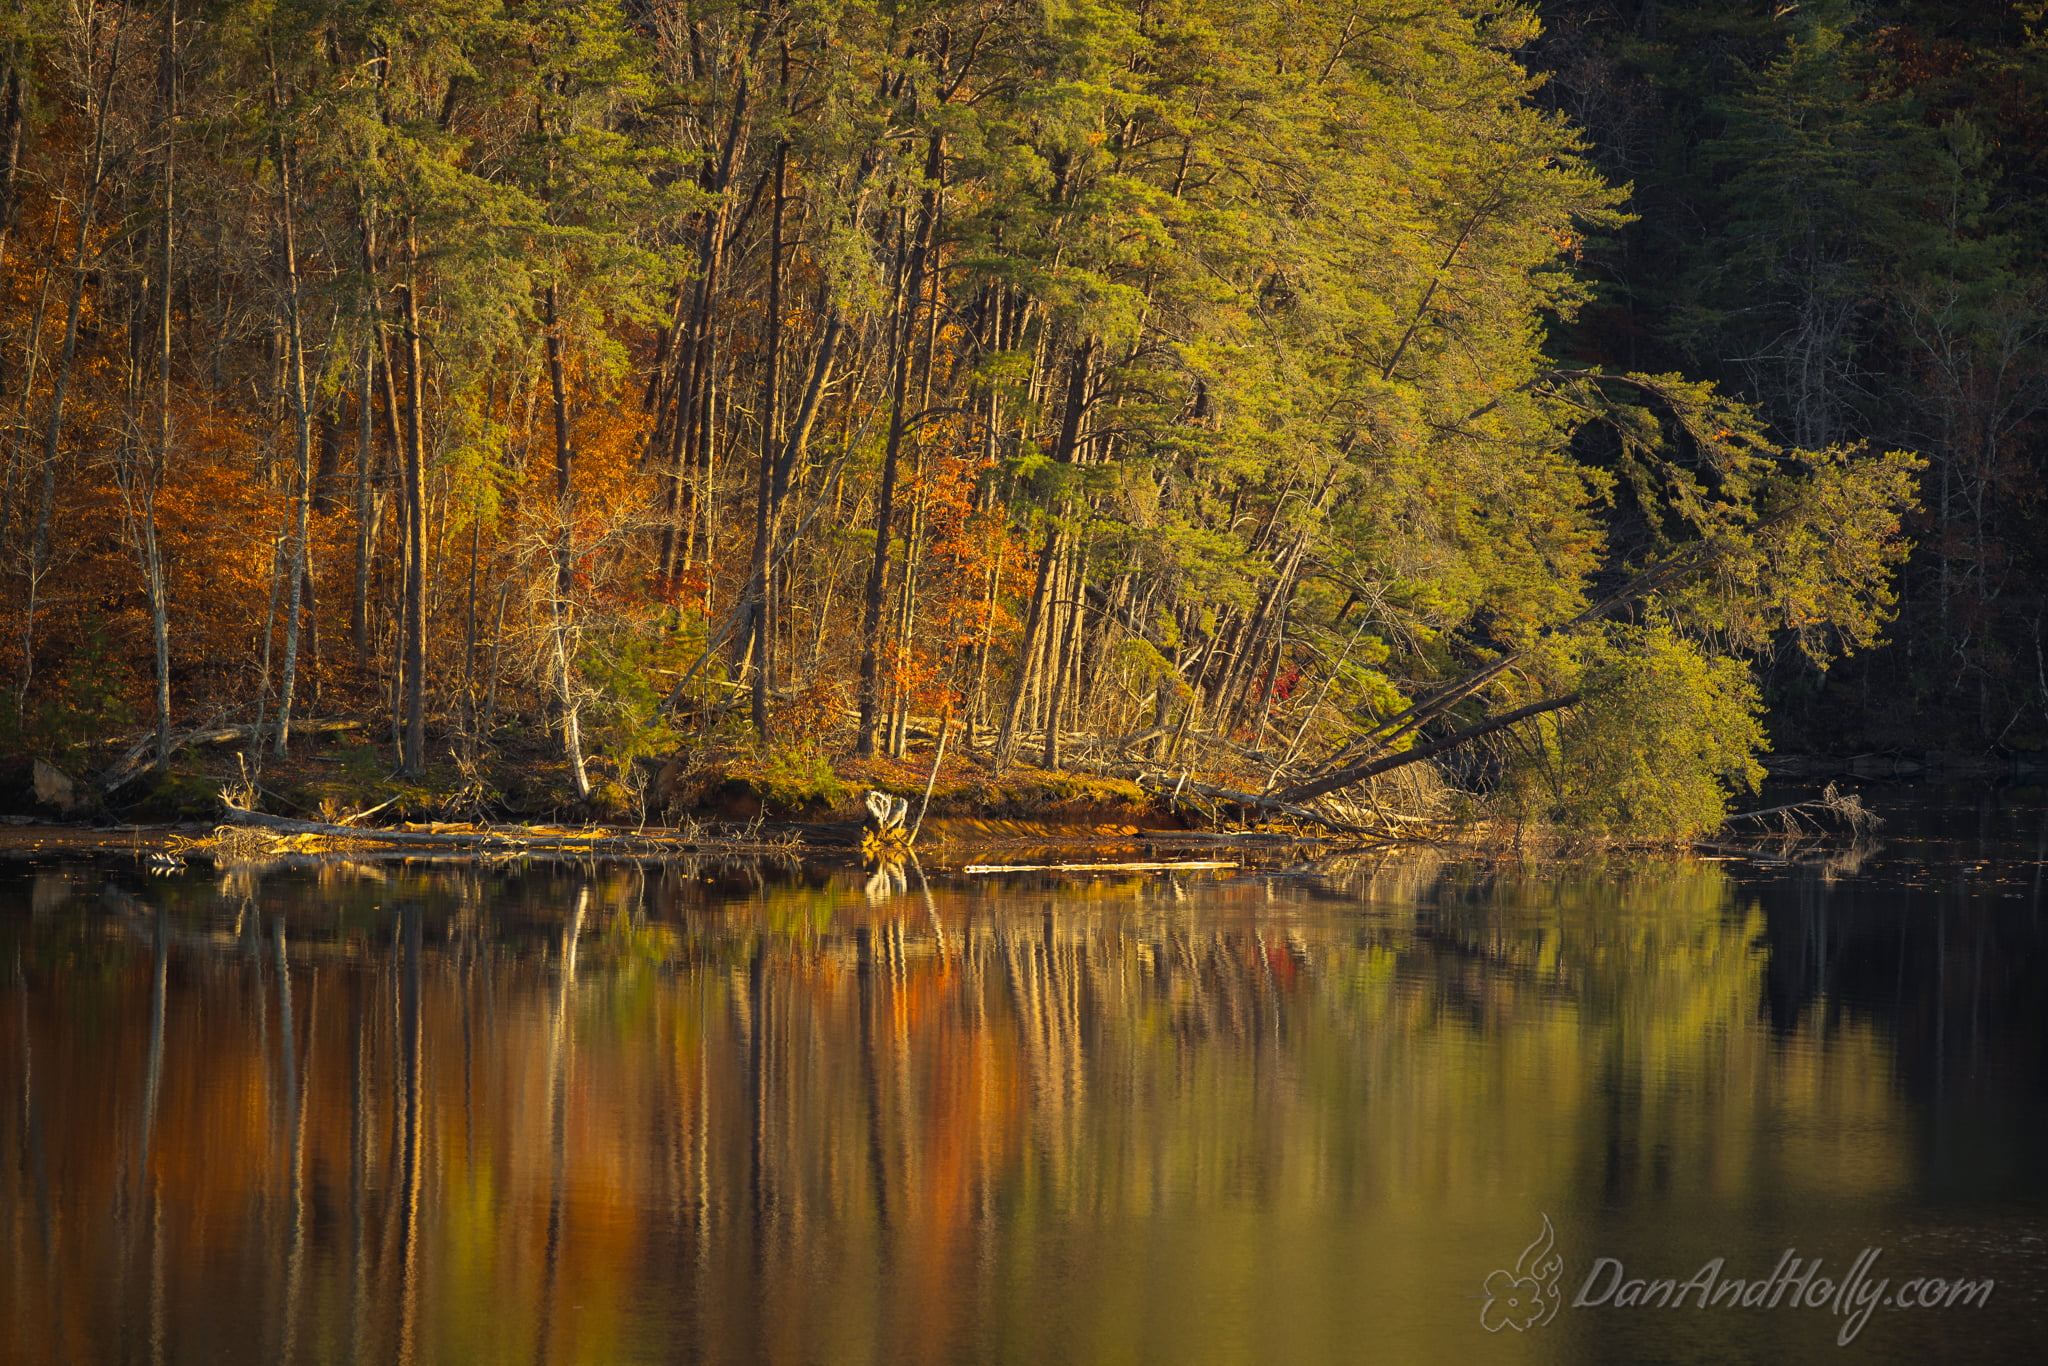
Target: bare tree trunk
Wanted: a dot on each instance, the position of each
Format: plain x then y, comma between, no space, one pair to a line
765,495
39,546
1006,741
558,600
359,607
10,149
301,412
1066,646
269,634
469,638
32,358
414,607
152,558
1358,773
689,435
885,509
1063,451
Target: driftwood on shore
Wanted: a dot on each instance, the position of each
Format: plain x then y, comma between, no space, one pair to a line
1257,801
1188,864
513,839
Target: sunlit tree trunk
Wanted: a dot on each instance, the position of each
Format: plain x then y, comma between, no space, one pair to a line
564,577
152,557
303,431
359,604
688,426
413,609
761,575
885,504
1063,452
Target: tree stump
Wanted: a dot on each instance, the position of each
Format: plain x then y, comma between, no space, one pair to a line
882,835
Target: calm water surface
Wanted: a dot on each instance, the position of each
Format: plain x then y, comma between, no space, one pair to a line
428,1113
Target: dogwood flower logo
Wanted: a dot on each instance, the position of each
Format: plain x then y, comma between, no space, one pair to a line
1528,1296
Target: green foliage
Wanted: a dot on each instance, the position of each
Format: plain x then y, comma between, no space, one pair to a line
1254,316
794,777
622,709
362,763
1664,734
1842,223
86,707
1742,541
175,794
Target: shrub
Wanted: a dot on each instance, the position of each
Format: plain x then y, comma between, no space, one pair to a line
1664,734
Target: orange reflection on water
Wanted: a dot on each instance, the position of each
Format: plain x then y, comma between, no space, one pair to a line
426,1115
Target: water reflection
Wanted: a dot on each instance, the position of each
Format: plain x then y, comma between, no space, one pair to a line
421,1113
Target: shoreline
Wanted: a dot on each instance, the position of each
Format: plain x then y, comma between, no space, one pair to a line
1045,845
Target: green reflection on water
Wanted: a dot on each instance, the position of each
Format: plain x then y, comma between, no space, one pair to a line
722,1112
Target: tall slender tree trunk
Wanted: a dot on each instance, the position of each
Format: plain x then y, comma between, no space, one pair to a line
689,435
32,359
885,504
1069,646
761,578
565,575
413,609
53,431
152,557
1034,614
359,606
302,415
10,149
1063,452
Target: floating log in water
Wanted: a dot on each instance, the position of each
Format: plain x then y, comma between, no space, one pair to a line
1094,867
1845,807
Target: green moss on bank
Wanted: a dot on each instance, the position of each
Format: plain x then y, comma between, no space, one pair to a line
810,787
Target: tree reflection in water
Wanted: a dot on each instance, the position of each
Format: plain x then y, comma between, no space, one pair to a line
422,1113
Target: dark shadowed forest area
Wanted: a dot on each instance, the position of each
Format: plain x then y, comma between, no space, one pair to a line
1842,218
578,406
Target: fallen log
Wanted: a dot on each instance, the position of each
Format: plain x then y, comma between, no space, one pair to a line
1358,773
1093,867
489,839
130,766
1257,802
1846,806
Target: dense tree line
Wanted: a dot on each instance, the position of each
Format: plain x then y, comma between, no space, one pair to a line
1842,214
1186,381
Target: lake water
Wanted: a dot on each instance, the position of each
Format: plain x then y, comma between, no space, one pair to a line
742,1113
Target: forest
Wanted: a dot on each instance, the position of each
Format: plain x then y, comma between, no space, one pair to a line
1842,217
1250,398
